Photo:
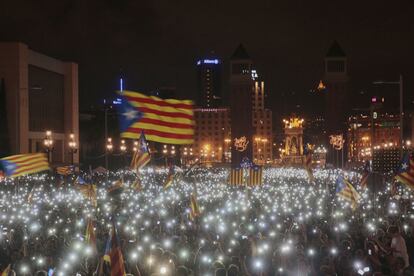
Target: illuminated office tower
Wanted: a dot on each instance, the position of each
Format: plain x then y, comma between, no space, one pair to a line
209,82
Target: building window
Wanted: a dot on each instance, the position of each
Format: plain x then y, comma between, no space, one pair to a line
335,66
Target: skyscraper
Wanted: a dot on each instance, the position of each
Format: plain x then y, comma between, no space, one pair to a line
209,82
336,80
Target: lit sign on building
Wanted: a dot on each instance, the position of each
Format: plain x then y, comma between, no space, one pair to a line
117,101
255,76
241,143
208,61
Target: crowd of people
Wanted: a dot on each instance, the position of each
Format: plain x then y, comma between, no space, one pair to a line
286,226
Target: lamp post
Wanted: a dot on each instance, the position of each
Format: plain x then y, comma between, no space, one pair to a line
172,152
123,149
400,83
109,148
258,150
48,143
264,140
165,153
135,147
227,149
72,146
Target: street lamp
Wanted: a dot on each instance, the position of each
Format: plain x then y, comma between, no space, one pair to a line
400,84
123,147
48,143
135,148
165,153
72,146
227,149
264,140
109,148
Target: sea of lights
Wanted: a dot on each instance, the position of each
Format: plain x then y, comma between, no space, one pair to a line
44,219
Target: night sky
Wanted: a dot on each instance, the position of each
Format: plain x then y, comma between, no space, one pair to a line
156,43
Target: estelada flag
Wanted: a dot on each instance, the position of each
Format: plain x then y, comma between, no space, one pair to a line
165,121
64,170
113,253
405,173
23,164
346,191
142,155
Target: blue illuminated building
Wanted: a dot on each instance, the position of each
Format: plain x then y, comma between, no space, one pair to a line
209,82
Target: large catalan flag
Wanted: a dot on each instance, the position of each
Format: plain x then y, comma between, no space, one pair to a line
405,173
142,155
113,254
255,176
346,191
236,177
164,121
22,164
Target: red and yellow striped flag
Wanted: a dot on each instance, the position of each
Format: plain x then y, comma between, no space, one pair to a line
164,121
255,176
22,164
236,177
